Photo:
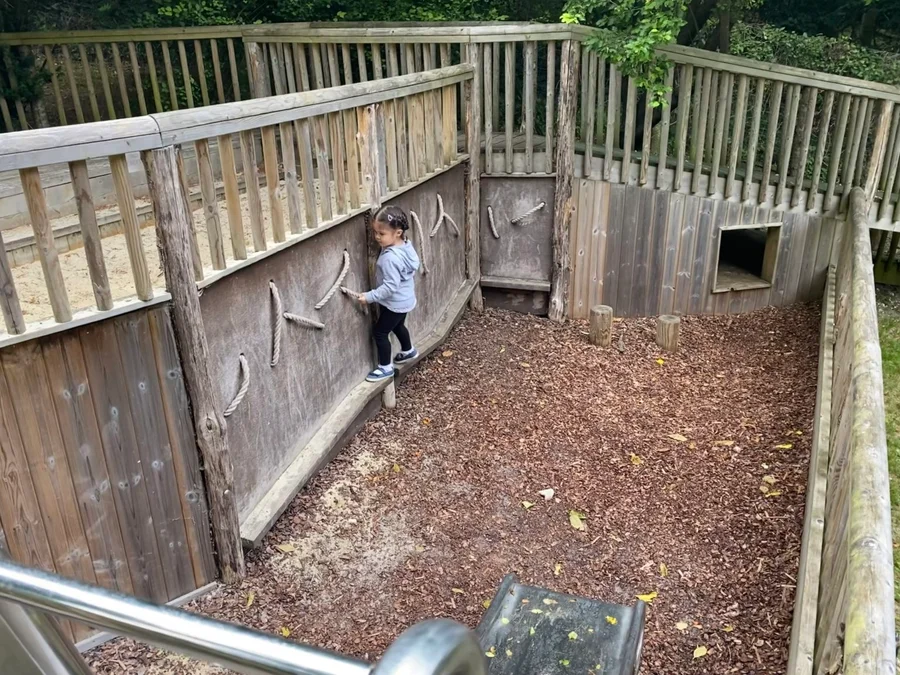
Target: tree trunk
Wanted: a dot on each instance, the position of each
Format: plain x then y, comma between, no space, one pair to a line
724,31
867,27
698,13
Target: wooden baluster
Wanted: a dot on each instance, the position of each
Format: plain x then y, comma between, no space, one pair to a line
120,77
251,185
73,84
320,140
701,130
628,141
589,62
361,60
104,81
232,65
612,113
740,115
549,113
812,96
186,194
154,81
837,149
787,143
774,111
143,285
307,174
136,73
54,80
754,137
232,197
427,101
488,106
720,131
90,233
89,81
646,138
170,76
9,297
509,95
210,205
879,147
664,129
893,165
683,125
529,98
186,74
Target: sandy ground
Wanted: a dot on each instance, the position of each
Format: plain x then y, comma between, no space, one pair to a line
689,470
29,279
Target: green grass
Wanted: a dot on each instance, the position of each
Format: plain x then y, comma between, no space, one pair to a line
889,329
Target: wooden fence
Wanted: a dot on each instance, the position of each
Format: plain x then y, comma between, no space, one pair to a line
311,176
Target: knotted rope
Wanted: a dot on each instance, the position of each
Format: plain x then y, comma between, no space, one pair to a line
337,284
491,223
420,238
279,324
529,212
242,390
442,216
303,321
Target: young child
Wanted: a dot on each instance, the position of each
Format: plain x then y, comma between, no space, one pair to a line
395,289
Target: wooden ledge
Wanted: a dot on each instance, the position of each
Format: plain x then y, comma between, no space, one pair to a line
516,284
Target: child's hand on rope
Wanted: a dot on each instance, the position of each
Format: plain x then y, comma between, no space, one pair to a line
361,298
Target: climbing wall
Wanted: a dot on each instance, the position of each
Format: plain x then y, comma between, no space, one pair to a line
517,246
284,404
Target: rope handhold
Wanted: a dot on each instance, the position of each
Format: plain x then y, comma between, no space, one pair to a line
491,223
420,238
303,321
279,324
337,284
529,212
442,216
242,390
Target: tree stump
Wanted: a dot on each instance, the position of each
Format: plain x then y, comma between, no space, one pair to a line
601,326
668,328
389,396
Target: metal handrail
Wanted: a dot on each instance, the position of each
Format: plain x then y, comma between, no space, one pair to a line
438,647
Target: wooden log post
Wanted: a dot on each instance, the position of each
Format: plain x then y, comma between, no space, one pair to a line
173,232
601,326
668,330
472,102
563,206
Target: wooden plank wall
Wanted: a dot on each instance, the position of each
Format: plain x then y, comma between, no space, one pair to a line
99,476
648,252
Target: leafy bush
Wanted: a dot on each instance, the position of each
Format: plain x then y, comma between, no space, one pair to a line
838,56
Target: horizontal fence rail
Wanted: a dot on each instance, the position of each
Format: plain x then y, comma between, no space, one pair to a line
307,171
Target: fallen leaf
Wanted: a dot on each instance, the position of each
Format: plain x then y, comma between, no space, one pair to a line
447,354
681,625
774,493
663,570
426,421
486,604
502,349
537,611
557,569
527,505
660,361
547,494
491,653
509,653
550,601
285,632
504,621
728,628
531,631
564,663
285,548
764,488
525,365
648,597
726,444
700,652
769,479
573,635
784,446
420,549
576,520
250,598
678,437
458,591
636,459
611,620
397,468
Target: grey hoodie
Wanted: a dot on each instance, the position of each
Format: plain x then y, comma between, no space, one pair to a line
395,286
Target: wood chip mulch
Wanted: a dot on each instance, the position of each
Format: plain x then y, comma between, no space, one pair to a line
689,470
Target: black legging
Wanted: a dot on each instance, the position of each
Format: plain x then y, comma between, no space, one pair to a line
390,322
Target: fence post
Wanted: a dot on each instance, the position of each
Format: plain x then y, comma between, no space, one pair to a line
257,71
472,98
565,170
173,231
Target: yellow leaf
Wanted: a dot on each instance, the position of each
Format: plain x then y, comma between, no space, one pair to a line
678,437
728,628
611,620
285,548
573,635
447,354
285,632
502,349
550,601
537,611
557,569
700,652
531,631
774,493
681,625
764,488
396,468
527,505
250,598
663,570
769,479
564,663
491,653
458,591
660,361
636,459
509,653
726,444
504,621
525,365
426,421
486,604
648,597
576,520
784,446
